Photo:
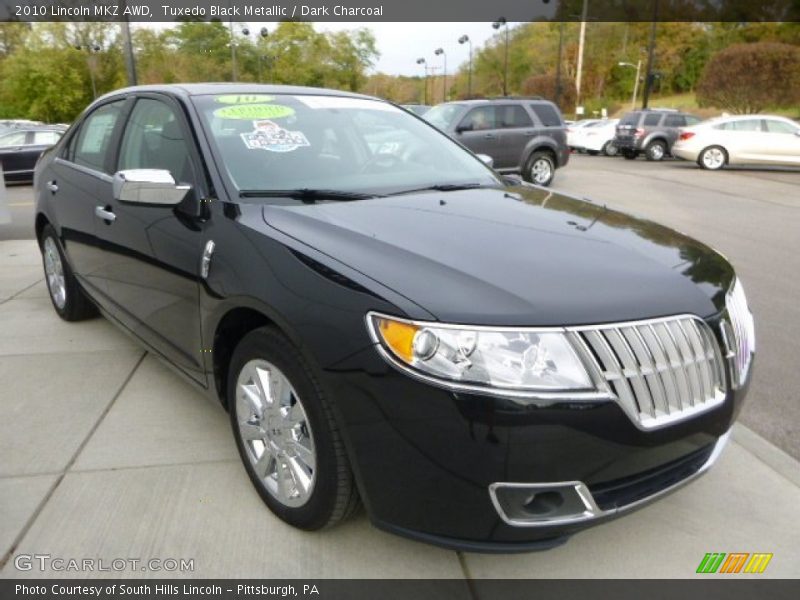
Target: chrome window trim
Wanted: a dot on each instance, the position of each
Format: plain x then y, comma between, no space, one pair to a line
85,170
593,512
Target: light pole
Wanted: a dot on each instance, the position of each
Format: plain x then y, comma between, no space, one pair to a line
130,60
441,52
245,32
497,25
581,45
90,63
424,63
638,67
558,62
464,39
264,34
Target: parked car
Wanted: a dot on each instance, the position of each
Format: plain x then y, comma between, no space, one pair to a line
20,148
575,128
417,109
652,131
521,135
597,138
405,325
740,140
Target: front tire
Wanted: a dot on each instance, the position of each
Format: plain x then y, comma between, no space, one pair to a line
69,300
610,149
286,434
713,158
540,169
655,151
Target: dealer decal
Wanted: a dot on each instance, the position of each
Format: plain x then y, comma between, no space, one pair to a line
248,112
270,136
243,99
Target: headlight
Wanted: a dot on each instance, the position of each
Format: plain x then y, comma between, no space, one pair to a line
501,360
740,335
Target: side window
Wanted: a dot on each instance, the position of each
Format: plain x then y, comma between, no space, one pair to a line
513,116
154,139
13,139
652,119
45,138
479,118
674,121
745,125
92,143
780,127
547,115
692,120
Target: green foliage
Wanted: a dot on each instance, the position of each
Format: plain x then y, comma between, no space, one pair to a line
747,78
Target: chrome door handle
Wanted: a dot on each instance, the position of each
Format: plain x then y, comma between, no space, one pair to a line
51,185
104,214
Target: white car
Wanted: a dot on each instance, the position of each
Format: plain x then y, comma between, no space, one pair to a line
573,130
598,137
740,140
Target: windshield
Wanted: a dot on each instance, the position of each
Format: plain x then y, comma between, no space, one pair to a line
295,142
443,115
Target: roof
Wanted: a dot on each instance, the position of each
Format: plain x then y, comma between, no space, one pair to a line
199,89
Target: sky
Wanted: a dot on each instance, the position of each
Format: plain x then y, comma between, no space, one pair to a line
401,44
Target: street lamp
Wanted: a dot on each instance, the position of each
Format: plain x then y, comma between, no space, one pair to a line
464,39
497,25
245,32
441,52
91,61
422,61
264,34
638,67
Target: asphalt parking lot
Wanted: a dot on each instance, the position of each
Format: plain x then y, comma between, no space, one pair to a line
108,455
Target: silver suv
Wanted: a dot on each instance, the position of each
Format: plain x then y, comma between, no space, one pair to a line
651,131
522,135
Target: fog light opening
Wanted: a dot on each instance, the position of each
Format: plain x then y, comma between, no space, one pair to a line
543,503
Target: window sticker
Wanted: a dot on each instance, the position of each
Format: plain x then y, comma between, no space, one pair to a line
243,99
270,136
248,112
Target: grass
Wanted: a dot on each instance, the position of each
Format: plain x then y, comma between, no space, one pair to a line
688,102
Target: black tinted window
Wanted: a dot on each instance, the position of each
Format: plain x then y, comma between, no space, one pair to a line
154,139
547,115
513,116
630,119
92,143
674,121
652,120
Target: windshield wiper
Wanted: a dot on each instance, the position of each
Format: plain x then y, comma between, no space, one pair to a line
309,195
442,187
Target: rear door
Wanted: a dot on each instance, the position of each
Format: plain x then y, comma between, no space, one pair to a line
151,254
517,128
11,152
79,180
672,125
478,130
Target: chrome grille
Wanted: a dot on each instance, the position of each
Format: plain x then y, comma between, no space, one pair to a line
739,334
660,371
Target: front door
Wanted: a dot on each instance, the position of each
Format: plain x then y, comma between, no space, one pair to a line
152,253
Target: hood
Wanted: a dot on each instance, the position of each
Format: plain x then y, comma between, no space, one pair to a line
516,256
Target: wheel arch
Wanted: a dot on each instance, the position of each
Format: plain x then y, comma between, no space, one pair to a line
540,144
39,224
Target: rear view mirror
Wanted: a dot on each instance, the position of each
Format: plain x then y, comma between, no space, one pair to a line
148,186
486,159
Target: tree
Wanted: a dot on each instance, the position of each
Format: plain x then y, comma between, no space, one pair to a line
545,86
747,78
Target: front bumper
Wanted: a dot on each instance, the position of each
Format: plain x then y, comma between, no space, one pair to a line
426,459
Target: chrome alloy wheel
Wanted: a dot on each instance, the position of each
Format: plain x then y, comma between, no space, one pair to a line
54,270
541,171
275,433
713,158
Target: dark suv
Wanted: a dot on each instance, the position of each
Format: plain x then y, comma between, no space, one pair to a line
522,135
652,131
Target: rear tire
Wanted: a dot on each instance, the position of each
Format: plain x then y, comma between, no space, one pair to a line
540,168
286,433
713,158
69,300
610,149
629,154
593,152
655,151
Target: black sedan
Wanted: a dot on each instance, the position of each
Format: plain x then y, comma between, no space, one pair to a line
485,364
20,148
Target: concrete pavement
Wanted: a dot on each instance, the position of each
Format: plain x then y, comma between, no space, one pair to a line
107,454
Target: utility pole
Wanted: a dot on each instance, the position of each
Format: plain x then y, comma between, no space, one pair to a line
464,39
558,63
581,44
130,60
438,52
648,78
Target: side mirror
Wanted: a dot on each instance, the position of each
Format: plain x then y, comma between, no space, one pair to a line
148,186
486,159
462,128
